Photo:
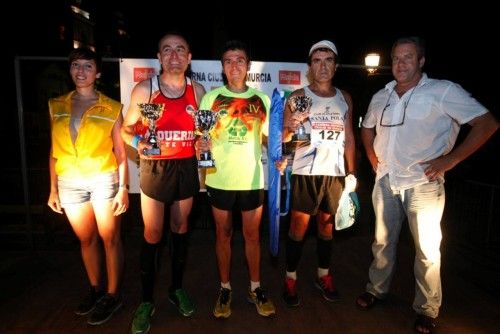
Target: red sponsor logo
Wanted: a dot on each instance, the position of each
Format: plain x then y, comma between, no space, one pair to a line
327,126
289,77
143,73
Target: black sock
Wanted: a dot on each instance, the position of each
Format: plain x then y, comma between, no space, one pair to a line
179,252
96,291
293,254
324,252
149,253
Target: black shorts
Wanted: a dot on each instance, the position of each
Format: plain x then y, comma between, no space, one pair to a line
169,180
313,192
245,200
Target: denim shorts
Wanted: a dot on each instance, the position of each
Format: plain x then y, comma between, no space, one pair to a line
93,188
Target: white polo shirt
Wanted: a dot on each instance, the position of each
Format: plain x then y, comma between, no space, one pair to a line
435,109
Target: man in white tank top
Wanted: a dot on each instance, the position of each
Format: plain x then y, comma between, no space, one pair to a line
319,167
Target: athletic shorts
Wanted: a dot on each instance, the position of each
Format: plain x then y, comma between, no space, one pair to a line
93,188
169,180
245,200
313,192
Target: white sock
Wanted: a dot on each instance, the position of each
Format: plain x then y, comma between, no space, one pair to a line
226,285
254,285
291,274
322,272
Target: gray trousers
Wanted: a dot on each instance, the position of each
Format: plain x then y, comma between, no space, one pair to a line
423,206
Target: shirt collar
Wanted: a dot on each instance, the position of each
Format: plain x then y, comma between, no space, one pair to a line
389,87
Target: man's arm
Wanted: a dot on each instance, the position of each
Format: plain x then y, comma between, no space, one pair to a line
290,123
483,127
140,94
350,144
368,137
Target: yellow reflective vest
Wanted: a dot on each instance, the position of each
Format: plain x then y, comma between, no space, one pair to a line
92,152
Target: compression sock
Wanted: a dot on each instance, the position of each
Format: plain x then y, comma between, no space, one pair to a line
179,252
293,254
324,252
149,253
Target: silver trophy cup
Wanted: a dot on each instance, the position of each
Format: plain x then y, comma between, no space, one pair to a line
152,112
300,106
204,121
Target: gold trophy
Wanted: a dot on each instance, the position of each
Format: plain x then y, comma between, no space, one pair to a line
204,121
152,112
300,106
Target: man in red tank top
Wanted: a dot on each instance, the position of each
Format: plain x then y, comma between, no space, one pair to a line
170,177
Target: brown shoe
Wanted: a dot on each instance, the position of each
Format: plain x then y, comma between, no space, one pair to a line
424,324
366,301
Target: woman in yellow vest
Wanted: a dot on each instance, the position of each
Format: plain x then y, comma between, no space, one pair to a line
89,179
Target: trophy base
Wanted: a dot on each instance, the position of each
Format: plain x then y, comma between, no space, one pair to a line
206,163
298,138
151,151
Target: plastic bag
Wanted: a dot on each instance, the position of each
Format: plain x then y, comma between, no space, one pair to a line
348,210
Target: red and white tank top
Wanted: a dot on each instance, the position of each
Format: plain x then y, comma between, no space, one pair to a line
175,129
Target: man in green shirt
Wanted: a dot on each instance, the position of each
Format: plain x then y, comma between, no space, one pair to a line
237,180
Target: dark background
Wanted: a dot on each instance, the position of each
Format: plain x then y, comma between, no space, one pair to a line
459,48
459,45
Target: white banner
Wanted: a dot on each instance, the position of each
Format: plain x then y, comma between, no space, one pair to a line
264,76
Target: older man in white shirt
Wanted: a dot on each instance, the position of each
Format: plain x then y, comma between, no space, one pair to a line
409,132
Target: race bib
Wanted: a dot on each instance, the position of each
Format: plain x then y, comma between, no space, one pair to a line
327,133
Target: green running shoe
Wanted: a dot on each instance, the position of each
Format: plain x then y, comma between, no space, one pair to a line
181,300
142,318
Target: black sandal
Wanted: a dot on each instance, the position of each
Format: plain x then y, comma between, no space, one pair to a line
424,324
366,301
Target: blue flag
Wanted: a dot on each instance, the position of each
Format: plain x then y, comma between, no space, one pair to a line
274,181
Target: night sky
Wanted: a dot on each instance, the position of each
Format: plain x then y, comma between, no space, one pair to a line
458,46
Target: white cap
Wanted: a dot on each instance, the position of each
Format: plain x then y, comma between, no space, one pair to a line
323,44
